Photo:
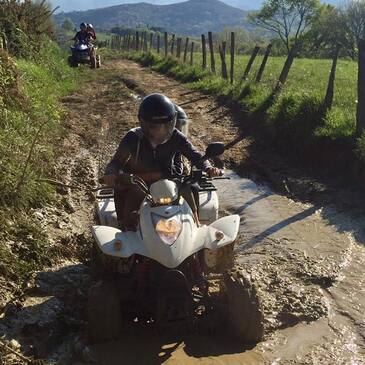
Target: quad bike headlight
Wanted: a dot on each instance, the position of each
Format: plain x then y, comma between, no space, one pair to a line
168,229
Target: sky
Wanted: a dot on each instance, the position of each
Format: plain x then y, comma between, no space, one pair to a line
69,5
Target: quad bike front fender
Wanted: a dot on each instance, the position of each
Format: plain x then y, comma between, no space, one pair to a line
114,242
222,232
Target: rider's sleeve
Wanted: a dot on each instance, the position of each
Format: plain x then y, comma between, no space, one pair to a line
122,155
191,153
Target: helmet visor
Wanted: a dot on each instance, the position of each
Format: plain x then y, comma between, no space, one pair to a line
158,133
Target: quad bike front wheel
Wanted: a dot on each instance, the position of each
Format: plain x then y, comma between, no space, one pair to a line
244,308
103,312
72,62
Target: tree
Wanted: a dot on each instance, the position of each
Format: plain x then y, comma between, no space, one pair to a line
289,19
328,32
355,19
68,25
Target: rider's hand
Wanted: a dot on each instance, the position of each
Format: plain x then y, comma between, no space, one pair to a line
109,180
213,171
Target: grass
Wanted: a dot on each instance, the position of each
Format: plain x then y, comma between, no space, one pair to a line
30,128
295,116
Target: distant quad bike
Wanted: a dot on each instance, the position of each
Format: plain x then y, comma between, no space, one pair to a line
83,53
170,271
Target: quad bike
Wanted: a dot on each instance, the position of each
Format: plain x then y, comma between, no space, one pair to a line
170,271
83,52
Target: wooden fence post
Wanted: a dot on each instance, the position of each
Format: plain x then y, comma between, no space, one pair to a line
233,42
211,48
151,41
192,54
166,44
250,62
172,44
204,51
263,63
186,49
360,113
222,52
158,43
328,100
178,48
129,43
286,68
145,42
137,41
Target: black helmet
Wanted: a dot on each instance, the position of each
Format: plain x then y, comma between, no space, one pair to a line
157,117
83,26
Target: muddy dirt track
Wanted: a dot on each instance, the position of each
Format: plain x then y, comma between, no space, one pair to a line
307,259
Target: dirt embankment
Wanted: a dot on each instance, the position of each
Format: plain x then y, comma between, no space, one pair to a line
302,256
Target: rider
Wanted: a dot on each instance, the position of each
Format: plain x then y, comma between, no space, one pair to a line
82,36
90,29
148,152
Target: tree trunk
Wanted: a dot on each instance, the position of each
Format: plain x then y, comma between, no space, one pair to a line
360,115
328,100
263,64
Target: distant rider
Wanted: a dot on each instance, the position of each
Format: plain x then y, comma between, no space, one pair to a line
148,152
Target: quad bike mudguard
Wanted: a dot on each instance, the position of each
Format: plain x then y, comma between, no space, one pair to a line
114,242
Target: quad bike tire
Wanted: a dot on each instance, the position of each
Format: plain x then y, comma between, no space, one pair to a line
93,62
103,312
72,62
244,308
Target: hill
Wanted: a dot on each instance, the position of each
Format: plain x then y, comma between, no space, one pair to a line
191,17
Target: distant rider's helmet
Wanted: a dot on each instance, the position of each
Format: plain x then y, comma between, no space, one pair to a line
83,26
157,116
181,120
90,26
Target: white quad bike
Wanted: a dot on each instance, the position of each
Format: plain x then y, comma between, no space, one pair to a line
170,271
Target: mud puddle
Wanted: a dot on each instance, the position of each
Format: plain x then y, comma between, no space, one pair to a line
306,260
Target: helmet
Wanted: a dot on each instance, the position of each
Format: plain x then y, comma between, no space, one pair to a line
90,26
181,120
157,117
83,26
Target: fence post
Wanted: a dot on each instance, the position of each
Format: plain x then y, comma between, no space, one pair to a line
328,100
172,44
192,54
178,48
232,55
186,49
151,41
211,48
145,42
286,68
222,52
158,43
263,63
204,50
166,44
360,113
129,43
250,62
137,41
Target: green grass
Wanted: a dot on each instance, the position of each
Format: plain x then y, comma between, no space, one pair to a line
294,116
30,128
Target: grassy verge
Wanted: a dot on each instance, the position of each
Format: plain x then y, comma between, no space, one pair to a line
293,120
30,129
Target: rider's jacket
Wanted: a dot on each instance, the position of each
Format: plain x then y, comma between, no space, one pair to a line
135,154
82,37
